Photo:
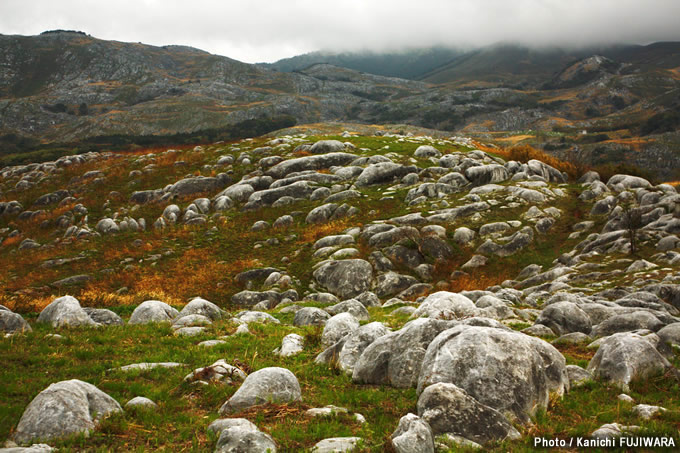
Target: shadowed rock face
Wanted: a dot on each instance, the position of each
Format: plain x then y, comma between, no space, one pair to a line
63,409
449,409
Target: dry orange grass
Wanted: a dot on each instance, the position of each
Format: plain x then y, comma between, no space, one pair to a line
315,232
472,282
11,241
525,153
92,297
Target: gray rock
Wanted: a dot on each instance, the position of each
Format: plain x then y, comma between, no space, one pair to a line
577,376
266,385
310,316
140,402
239,192
427,151
395,358
612,430
463,235
65,312
337,327
316,162
190,320
391,283
153,311
475,262
623,357
321,214
413,435
487,174
35,448
524,370
290,345
11,323
251,298
669,334
220,371
539,330
627,323
260,225
144,366
345,278
448,408
71,281
646,411
516,242
283,222
628,182
200,306
336,444
197,184
383,173
107,226
267,197
445,305
238,435
256,316
354,344
351,306
189,331
103,316
327,146
334,241
368,299
63,409
565,317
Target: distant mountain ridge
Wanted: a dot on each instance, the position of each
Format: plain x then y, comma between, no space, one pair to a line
68,87
504,64
405,64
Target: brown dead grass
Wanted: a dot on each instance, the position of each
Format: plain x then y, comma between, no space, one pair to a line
315,232
475,281
525,153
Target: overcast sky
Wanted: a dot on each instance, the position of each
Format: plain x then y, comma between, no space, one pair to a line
268,30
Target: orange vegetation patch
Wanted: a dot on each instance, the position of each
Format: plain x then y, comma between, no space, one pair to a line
525,153
315,232
635,143
472,282
515,138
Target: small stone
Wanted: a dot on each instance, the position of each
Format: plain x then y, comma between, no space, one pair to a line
140,402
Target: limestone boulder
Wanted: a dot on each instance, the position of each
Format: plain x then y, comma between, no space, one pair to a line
64,409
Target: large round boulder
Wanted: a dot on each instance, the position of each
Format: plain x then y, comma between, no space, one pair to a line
445,305
13,323
63,409
565,317
199,306
447,408
506,370
337,327
268,385
153,311
65,311
345,278
623,357
413,435
396,358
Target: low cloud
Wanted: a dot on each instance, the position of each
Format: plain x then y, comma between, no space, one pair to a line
267,30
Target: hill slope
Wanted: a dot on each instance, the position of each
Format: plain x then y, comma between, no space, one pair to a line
343,269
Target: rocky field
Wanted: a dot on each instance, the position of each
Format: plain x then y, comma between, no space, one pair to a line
329,292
